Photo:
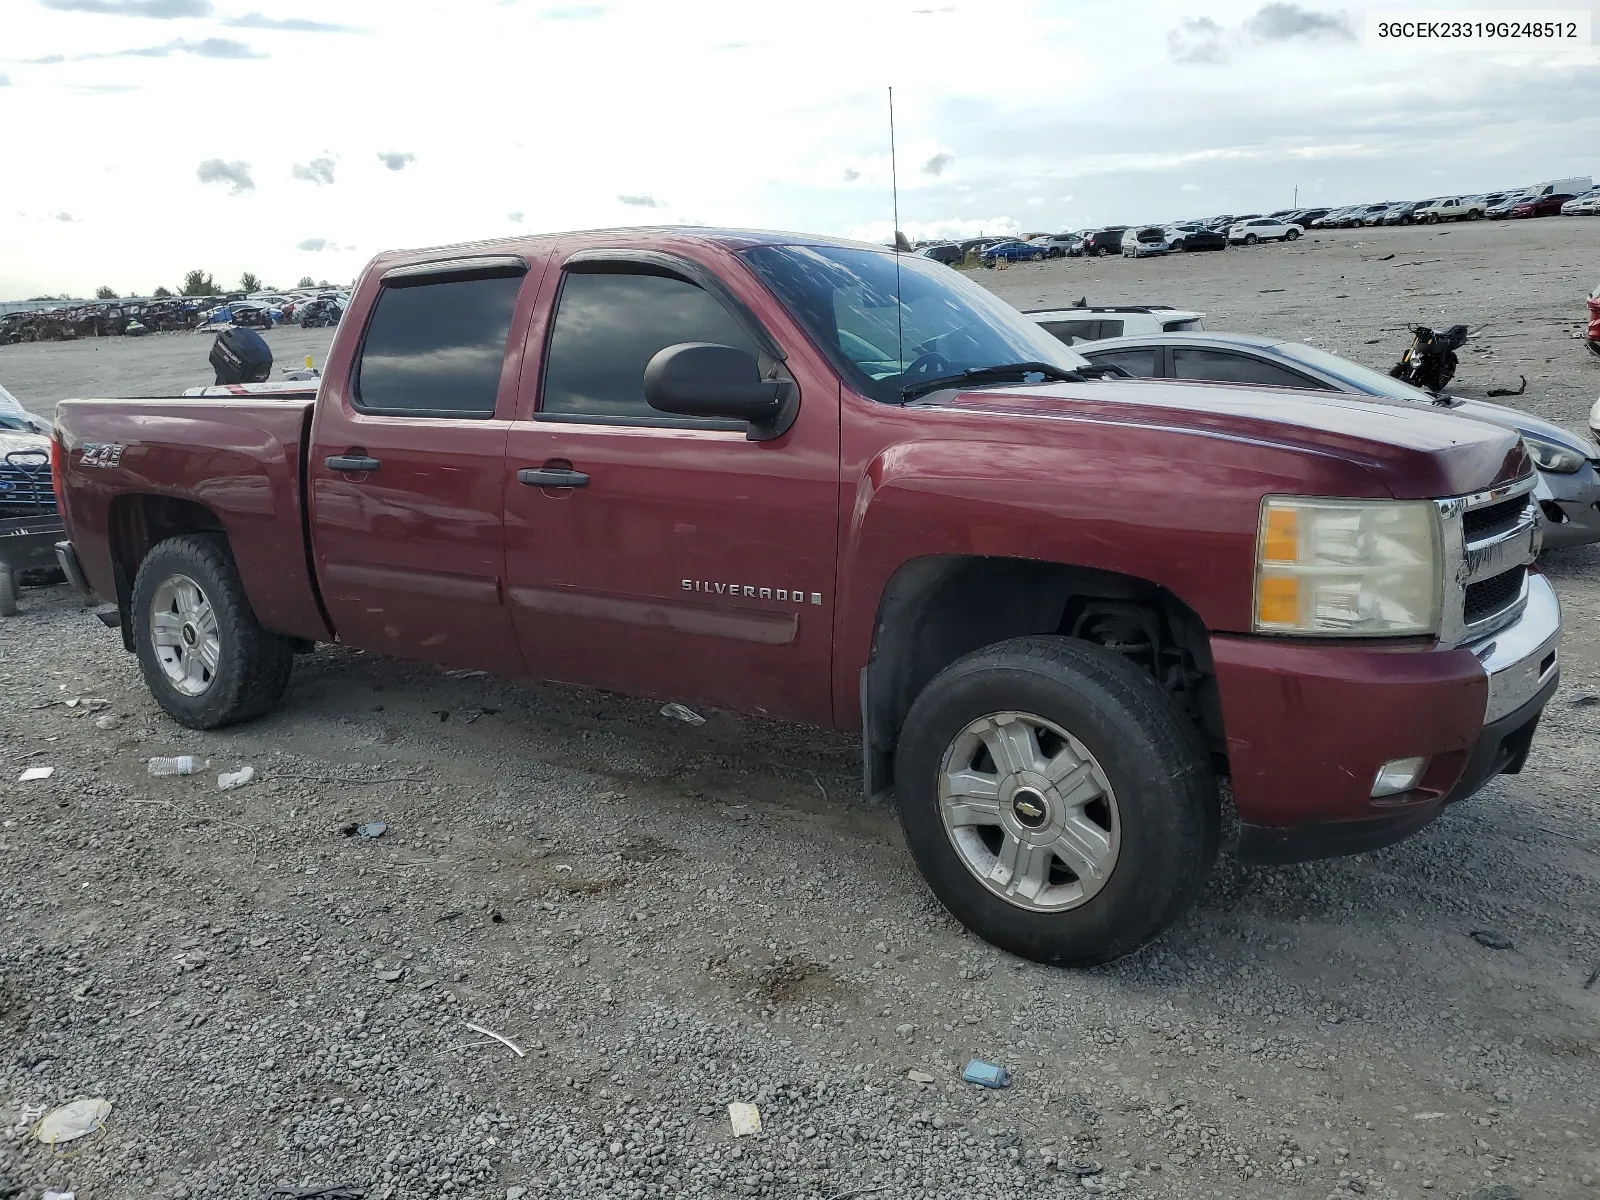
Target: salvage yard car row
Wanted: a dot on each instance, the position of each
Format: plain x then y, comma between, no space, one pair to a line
1573,196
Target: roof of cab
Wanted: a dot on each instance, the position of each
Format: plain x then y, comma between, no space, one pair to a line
731,239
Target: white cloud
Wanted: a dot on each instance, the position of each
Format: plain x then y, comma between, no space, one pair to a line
318,171
235,174
1190,187
396,160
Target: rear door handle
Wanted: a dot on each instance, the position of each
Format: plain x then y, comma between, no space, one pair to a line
352,463
556,477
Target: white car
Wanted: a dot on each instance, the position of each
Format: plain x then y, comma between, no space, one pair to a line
1585,205
1264,229
1075,325
1451,208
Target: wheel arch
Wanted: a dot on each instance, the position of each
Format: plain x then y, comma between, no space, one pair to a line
938,608
138,522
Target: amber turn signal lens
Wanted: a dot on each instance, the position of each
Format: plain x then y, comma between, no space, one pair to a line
1281,542
1278,601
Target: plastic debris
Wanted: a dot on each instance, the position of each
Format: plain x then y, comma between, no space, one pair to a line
60,1196
680,713
73,1121
183,764
1427,1116
745,1118
35,774
372,829
515,1049
229,780
986,1074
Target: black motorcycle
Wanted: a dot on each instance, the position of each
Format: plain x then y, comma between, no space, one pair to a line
1430,361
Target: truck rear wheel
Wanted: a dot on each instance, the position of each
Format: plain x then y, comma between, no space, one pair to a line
1056,801
205,657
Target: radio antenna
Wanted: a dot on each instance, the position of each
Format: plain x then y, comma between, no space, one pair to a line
894,191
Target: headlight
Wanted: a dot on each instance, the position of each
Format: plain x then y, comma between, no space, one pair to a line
1558,460
1347,568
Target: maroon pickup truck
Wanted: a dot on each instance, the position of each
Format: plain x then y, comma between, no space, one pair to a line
825,483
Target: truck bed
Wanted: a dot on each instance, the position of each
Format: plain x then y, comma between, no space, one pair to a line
240,458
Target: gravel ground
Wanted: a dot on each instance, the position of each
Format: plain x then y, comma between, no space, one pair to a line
667,919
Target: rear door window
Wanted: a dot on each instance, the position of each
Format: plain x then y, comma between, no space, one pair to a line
1110,329
1140,361
1224,366
436,349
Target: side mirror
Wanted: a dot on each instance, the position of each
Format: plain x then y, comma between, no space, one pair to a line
701,379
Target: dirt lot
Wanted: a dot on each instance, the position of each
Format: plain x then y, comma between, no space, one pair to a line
668,918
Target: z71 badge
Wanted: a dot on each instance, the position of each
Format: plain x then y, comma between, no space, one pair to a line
102,454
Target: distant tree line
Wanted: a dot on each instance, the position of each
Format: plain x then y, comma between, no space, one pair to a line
198,283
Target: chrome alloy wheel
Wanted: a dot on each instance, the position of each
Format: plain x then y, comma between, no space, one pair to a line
1029,811
183,630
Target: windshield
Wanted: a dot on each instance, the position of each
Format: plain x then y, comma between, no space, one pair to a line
943,325
1373,383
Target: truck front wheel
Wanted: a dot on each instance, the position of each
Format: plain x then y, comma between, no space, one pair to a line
205,657
1055,799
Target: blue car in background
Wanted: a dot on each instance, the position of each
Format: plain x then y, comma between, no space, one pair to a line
1012,251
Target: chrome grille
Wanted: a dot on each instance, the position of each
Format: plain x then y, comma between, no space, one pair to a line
1490,540
1491,519
1489,596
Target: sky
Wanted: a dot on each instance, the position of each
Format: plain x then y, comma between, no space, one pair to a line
300,137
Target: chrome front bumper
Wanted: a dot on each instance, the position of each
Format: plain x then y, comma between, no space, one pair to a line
1522,659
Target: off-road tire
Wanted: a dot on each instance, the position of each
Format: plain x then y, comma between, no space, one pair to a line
1153,757
253,667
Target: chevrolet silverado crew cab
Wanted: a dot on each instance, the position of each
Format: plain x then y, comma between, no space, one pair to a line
824,483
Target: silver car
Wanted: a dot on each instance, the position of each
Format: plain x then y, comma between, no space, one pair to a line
1569,465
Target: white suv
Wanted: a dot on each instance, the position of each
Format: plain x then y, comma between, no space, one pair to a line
1264,229
1081,324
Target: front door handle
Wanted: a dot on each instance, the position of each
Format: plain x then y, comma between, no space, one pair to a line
352,463
552,477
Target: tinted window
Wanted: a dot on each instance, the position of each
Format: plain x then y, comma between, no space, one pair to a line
1070,331
437,348
607,329
1179,326
1110,329
1224,367
1140,362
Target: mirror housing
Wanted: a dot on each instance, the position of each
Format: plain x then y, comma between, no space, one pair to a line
702,379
